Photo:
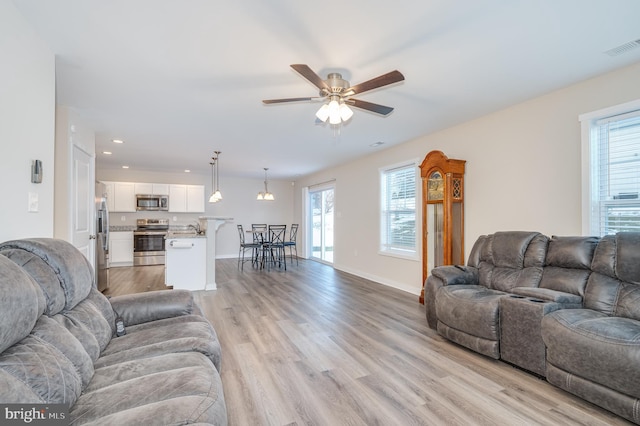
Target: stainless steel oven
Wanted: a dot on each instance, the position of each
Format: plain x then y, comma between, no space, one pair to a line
148,241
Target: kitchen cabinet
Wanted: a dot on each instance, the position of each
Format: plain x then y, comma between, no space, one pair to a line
120,248
152,188
195,198
109,188
186,198
186,263
121,196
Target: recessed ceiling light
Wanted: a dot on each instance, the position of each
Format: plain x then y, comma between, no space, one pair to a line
187,171
107,152
376,144
125,167
117,141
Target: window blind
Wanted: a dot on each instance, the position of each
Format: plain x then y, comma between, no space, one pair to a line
616,173
398,221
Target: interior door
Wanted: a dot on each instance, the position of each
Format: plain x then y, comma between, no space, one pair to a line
83,203
321,210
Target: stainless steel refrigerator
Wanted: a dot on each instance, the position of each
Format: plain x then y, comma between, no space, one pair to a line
102,237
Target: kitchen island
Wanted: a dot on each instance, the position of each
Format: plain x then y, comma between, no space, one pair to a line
186,261
191,256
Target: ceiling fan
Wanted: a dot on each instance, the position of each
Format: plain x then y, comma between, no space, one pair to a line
339,93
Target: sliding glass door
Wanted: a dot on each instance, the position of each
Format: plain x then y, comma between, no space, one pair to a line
321,224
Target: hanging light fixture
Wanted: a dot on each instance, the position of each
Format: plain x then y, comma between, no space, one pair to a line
216,195
266,195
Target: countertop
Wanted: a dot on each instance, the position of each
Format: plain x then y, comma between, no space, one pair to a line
122,228
182,234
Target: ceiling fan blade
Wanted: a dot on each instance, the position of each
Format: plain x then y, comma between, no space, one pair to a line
374,83
310,75
369,106
278,101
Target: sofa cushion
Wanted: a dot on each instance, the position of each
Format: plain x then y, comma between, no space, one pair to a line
595,346
472,309
571,252
91,322
512,259
628,257
187,333
53,263
17,289
40,362
169,389
614,285
568,262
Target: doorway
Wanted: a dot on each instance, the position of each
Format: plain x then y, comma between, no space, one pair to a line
321,208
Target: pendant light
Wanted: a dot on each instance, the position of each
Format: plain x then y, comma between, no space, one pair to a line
266,195
216,195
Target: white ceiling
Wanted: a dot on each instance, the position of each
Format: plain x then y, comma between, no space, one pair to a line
178,79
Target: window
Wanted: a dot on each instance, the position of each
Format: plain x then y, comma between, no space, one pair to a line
398,210
614,171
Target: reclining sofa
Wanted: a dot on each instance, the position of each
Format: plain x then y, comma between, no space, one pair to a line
565,308
59,345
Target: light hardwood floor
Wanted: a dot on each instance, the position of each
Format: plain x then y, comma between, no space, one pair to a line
315,346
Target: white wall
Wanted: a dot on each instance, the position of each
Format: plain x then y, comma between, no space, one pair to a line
523,173
27,111
239,201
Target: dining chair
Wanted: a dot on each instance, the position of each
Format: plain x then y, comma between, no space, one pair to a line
244,247
260,236
293,234
275,245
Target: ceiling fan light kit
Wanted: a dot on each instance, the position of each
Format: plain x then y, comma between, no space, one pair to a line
339,93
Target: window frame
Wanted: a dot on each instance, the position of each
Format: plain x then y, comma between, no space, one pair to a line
383,245
588,123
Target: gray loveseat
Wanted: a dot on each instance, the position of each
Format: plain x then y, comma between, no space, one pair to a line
566,308
58,344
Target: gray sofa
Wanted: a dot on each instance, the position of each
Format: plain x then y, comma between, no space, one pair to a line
566,308
58,344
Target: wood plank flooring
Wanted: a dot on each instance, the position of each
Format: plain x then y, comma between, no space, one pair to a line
315,346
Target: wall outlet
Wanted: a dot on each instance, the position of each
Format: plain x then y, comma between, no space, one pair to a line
123,218
175,218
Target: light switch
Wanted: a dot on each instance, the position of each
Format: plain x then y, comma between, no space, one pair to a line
33,202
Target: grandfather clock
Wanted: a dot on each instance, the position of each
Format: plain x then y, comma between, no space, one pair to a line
442,212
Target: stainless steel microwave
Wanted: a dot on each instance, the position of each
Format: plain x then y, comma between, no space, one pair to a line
151,202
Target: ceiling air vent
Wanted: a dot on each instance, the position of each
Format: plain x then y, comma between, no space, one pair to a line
623,48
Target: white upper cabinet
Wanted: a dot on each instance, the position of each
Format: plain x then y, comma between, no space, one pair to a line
152,188
178,198
195,198
186,198
160,189
123,197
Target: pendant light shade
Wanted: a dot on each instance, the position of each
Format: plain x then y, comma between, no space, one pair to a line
266,195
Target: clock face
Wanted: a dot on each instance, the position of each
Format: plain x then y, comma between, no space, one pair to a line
435,187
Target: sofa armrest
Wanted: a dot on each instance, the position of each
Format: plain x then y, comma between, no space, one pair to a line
152,306
442,276
456,274
548,295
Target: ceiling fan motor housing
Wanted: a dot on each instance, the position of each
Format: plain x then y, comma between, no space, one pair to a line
336,83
